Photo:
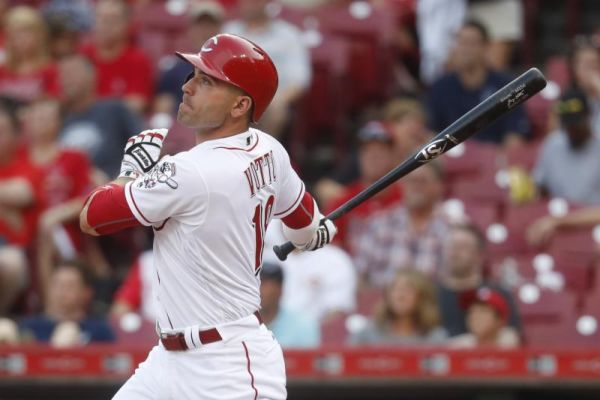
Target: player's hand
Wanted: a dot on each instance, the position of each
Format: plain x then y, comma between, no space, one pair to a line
142,152
324,235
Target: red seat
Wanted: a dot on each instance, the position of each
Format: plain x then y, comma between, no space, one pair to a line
523,156
560,334
367,300
371,59
551,307
144,336
321,112
470,160
575,247
333,330
481,214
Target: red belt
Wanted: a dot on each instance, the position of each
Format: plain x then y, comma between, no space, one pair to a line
176,341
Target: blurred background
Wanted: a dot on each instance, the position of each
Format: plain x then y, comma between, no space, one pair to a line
475,277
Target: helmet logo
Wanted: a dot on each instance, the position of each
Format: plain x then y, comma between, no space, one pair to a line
206,49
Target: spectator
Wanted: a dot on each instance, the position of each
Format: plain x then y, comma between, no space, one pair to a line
462,272
135,294
204,21
284,44
28,72
67,20
19,197
291,328
471,82
65,321
568,165
504,21
408,124
65,183
487,318
320,283
410,235
99,128
585,67
408,314
123,70
375,158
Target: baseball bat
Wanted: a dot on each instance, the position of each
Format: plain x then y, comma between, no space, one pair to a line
495,106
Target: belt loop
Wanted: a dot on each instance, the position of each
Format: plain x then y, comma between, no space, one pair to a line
191,337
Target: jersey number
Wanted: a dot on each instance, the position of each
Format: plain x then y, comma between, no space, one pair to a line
260,221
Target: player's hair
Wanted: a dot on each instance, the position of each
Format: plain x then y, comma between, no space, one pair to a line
80,267
474,231
426,314
479,27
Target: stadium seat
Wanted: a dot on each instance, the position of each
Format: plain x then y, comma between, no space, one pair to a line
320,116
481,214
548,309
469,159
523,156
367,300
371,53
143,336
574,247
334,331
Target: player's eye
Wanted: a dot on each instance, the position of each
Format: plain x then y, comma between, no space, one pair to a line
205,81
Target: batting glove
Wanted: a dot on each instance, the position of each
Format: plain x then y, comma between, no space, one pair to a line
142,152
324,235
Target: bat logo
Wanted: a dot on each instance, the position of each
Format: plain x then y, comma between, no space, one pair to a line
434,149
206,49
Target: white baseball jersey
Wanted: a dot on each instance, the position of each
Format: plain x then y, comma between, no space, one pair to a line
210,207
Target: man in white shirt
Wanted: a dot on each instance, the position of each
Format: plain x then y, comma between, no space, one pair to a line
209,208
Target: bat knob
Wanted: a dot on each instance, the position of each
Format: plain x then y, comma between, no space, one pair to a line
282,251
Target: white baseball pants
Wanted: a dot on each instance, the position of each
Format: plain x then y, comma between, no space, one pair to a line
246,365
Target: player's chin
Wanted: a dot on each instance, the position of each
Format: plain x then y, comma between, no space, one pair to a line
184,114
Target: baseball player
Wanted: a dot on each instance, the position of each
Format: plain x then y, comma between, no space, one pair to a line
209,208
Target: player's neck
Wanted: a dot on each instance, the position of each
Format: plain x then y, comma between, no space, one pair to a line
226,130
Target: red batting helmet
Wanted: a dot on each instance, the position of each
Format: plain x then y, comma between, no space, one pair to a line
239,62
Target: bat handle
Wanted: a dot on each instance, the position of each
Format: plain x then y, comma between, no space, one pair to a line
282,251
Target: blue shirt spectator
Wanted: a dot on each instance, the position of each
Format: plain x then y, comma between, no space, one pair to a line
473,81
569,162
42,327
294,329
65,321
291,329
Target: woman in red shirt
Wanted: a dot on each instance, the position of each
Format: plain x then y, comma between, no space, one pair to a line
28,72
65,184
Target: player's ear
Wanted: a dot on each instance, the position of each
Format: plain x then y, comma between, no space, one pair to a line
242,106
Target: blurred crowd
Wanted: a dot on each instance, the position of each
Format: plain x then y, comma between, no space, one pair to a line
470,250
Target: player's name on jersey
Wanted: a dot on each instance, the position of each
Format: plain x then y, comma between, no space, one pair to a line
260,173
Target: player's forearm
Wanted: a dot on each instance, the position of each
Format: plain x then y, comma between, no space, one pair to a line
300,225
106,210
